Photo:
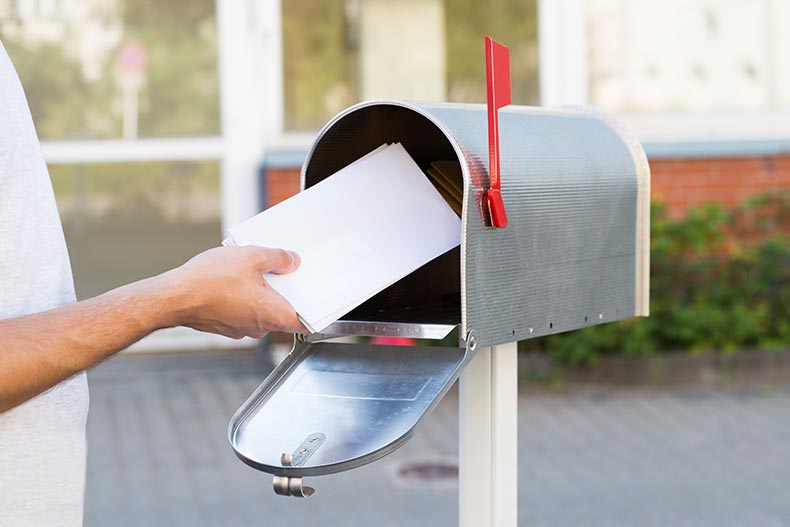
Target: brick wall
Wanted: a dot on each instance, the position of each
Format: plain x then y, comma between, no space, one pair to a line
686,183
680,183
281,184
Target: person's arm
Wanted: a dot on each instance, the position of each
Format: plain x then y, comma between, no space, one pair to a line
220,291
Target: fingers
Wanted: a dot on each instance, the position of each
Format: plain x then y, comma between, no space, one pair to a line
292,324
278,261
279,314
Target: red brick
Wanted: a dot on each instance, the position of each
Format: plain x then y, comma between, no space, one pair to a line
679,183
281,184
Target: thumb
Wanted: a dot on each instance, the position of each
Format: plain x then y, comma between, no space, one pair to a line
278,261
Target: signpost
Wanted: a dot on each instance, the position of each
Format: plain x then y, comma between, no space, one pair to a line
130,63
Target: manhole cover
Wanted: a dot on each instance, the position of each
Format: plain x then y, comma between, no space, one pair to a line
429,471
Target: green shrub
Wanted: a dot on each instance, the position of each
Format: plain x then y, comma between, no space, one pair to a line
719,281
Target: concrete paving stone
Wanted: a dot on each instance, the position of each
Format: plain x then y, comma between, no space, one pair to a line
158,455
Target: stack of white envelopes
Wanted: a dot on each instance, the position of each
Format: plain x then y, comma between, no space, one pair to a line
358,231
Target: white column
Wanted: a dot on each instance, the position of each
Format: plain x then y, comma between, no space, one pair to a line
249,42
562,48
488,449
415,72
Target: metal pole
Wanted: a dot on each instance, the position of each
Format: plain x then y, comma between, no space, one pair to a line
130,110
488,449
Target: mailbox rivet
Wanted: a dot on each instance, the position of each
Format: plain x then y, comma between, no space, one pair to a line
472,342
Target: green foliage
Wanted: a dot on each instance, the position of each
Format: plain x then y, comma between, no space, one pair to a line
320,62
512,22
62,102
180,95
321,47
720,281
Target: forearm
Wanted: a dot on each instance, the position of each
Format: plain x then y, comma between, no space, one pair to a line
38,351
221,290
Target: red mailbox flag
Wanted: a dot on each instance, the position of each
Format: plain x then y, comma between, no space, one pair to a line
498,90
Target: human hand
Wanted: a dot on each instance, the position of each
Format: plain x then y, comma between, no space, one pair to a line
223,291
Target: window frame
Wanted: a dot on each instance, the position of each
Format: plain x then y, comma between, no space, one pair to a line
563,76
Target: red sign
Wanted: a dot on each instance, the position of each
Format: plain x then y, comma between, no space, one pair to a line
132,58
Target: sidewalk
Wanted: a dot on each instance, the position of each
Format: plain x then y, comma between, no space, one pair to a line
158,455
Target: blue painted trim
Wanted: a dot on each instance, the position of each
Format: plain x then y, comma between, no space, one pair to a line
284,158
669,150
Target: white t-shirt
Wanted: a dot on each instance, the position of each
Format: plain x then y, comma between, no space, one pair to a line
42,442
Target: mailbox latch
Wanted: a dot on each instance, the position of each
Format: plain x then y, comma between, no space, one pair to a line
498,92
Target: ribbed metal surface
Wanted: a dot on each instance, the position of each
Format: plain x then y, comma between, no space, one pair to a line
570,181
567,258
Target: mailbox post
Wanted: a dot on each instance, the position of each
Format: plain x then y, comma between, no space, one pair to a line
488,398
488,439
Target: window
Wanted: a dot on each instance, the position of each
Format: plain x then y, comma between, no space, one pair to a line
125,222
339,52
689,55
98,69
81,85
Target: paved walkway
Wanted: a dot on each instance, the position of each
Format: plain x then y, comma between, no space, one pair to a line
158,456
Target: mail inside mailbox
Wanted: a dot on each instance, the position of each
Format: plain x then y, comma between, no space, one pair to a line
358,232
432,293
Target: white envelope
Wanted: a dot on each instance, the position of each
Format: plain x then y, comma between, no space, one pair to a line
357,232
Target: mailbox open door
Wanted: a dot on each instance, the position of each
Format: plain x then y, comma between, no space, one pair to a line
574,253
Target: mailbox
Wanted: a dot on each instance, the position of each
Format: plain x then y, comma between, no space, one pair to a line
574,253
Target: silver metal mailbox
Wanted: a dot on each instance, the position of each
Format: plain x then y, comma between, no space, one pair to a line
574,254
